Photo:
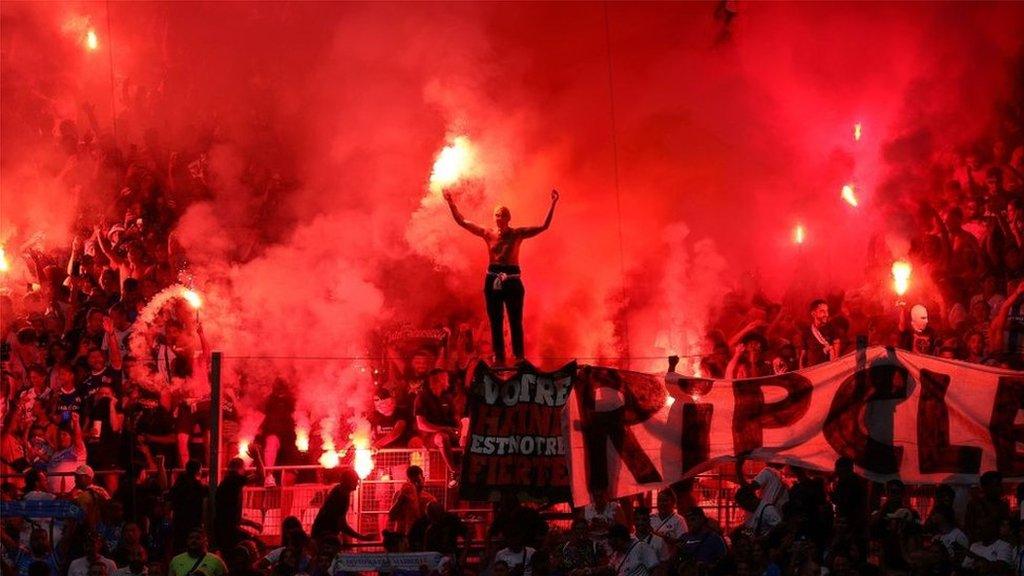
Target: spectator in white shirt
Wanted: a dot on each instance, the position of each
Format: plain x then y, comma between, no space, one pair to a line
517,556
771,487
600,514
667,523
84,566
990,555
762,516
644,533
952,538
629,556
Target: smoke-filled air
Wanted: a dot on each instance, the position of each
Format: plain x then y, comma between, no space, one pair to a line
296,158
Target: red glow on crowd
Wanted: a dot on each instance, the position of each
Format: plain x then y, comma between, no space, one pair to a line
289,161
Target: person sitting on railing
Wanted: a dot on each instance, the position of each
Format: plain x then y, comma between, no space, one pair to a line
435,416
392,422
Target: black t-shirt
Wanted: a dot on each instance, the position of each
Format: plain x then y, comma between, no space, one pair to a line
186,497
228,505
229,499
382,425
69,403
328,519
922,342
280,420
815,352
442,536
106,378
157,421
438,410
194,421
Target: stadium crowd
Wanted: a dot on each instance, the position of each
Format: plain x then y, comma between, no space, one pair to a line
74,403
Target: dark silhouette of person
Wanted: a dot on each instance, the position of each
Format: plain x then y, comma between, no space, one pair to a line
503,286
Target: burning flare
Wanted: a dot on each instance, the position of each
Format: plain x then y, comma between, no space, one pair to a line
330,459
856,132
849,195
243,450
192,297
5,266
91,41
363,462
799,234
452,164
901,276
302,440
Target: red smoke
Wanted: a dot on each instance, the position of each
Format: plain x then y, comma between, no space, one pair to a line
325,121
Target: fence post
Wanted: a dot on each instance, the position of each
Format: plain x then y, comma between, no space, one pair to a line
216,414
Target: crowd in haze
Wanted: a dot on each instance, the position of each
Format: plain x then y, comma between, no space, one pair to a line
966,249
82,394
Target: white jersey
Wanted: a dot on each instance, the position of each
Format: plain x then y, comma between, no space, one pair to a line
672,527
657,544
637,560
513,559
762,520
998,551
951,539
773,488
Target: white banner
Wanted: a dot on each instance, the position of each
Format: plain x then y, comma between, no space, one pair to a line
386,562
897,415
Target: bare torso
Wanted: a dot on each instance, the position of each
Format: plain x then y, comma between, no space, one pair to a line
503,240
503,246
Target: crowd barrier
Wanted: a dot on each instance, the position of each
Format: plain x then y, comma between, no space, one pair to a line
300,492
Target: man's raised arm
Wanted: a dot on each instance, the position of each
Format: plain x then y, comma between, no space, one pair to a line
531,231
473,228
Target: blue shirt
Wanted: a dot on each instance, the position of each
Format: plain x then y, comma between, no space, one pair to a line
24,558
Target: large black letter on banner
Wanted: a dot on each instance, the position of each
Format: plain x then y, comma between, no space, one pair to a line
934,452
1005,434
641,402
843,429
751,415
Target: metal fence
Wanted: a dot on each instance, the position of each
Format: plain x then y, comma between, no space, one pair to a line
713,491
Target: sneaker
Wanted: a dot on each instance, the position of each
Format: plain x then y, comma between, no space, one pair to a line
269,482
453,480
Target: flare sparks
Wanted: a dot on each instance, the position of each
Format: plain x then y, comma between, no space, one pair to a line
901,276
452,164
850,195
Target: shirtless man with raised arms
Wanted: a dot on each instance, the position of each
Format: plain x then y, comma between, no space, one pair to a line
503,286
